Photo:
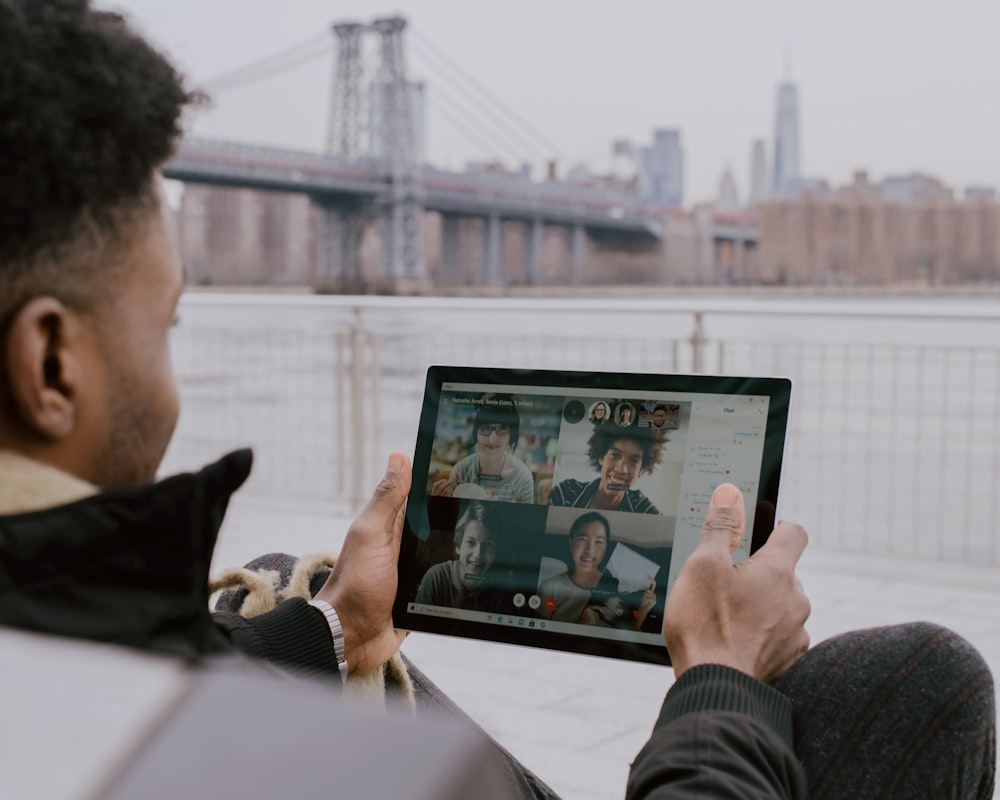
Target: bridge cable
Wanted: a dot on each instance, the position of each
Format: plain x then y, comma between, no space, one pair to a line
510,141
540,138
459,123
456,110
273,64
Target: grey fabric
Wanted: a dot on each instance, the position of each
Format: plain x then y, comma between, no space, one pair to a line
898,712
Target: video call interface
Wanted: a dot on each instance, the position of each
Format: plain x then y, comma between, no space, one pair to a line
572,513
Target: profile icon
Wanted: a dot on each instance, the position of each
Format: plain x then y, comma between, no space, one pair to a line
600,413
624,414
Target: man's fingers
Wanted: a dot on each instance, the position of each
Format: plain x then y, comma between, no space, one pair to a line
785,545
725,519
394,487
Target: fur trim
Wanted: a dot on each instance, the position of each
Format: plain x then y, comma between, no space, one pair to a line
305,568
261,588
391,680
29,485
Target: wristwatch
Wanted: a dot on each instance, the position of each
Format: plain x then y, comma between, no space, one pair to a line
336,632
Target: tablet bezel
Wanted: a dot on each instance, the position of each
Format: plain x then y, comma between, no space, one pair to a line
508,380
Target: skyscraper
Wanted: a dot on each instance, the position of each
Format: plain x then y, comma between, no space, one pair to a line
758,173
728,198
661,169
786,141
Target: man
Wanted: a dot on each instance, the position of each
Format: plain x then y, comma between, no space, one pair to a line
90,549
464,581
661,414
620,456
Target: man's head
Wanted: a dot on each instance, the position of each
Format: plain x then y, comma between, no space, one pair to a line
89,268
475,541
621,455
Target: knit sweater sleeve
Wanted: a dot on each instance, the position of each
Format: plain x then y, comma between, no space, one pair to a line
293,635
720,734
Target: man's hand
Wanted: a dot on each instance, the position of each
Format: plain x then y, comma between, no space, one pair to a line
749,616
362,586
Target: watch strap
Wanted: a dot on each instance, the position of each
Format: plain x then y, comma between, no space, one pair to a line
336,633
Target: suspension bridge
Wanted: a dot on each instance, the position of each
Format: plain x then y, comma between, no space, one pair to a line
386,186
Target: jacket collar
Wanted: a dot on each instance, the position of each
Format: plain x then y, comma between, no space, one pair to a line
123,566
27,485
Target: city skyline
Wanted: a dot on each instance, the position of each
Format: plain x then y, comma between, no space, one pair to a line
892,89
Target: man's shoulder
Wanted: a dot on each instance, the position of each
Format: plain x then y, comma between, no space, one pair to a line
637,501
568,490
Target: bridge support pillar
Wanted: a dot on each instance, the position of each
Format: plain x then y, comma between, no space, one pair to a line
403,247
493,251
577,247
338,256
534,241
739,261
450,268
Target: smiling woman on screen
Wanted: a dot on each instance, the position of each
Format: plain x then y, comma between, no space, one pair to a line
569,596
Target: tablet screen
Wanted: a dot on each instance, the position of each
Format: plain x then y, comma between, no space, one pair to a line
555,509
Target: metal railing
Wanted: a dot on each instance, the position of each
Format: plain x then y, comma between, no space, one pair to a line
894,444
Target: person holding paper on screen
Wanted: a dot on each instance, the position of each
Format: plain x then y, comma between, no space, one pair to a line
573,594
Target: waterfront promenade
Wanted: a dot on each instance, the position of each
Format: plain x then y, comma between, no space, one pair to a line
578,720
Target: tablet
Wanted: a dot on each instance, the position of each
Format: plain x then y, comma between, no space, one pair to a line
554,509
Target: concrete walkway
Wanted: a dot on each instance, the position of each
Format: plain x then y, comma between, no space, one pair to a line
577,721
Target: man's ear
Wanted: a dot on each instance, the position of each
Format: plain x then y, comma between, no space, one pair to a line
42,368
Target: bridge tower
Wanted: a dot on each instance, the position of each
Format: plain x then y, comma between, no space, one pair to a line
343,130
403,213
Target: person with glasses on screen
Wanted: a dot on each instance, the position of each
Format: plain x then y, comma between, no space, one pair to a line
492,471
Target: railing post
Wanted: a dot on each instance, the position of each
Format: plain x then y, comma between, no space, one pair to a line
340,444
373,432
357,409
698,342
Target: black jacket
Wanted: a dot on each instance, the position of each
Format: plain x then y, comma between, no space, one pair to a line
130,567
720,734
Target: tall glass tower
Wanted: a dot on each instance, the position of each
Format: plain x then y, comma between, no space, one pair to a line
786,140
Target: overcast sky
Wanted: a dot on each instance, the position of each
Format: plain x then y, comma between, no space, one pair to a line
890,86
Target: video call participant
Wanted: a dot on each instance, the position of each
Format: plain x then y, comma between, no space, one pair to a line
600,413
620,456
661,417
624,415
493,469
574,590
463,582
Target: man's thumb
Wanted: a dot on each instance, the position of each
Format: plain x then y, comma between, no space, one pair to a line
725,518
395,484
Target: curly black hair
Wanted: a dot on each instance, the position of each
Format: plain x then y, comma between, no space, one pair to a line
650,440
88,110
